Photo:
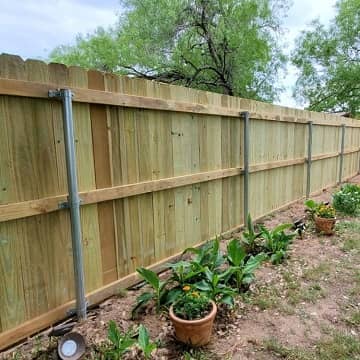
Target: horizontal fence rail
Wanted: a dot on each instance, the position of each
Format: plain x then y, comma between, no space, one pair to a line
160,168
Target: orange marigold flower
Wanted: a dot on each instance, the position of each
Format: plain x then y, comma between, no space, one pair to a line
186,288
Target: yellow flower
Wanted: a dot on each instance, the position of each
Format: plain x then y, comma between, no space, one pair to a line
195,294
186,288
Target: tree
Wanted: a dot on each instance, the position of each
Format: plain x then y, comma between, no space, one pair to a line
227,46
329,62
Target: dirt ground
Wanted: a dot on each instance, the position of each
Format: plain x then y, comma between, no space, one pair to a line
305,308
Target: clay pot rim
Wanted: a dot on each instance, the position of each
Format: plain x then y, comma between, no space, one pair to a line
211,314
323,218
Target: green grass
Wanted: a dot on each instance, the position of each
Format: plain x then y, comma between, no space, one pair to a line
310,293
335,346
343,227
198,354
351,244
353,318
273,346
318,272
266,298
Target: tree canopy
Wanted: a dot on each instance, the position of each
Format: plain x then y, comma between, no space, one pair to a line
227,46
328,59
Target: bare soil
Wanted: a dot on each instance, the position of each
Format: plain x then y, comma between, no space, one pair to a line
290,311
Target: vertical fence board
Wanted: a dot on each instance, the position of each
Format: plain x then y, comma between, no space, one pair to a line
117,146
102,162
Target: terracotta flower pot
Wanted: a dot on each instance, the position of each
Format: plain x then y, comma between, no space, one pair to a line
194,332
325,225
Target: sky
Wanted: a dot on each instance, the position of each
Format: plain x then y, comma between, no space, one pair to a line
32,28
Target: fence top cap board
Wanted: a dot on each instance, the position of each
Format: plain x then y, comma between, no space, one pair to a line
165,96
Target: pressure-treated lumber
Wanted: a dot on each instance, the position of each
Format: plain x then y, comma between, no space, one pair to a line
276,164
42,206
45,205
40,90
160,169
94,297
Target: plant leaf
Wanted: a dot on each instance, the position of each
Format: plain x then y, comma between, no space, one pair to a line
141,300
203,285
143,338
236,252
150,277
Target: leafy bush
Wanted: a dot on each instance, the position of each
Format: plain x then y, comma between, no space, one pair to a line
347,199
325,211
144,342
213,285
192,305
208,255
311,207
159,293
249,238
121,342
241,267
277,242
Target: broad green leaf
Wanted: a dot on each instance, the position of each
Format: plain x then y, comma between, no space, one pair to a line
143,339
150,277
236,252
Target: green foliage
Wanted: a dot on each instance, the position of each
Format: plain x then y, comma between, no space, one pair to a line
241,267
329,62
277,242
347,199
311,207
250,237
208,255
121,342
159,293
99,50
325,211
186,272
226,46
215,288
192,305
144,342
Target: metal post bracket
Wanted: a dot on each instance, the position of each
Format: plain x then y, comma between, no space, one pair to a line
58,93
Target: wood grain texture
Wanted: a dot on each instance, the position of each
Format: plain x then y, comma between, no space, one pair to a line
159,169
100,122
38,90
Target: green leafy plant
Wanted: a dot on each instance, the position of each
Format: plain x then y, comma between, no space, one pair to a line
249,237
144,342
208,255
277,242
347,199
192,304
325,211
311,207
185,272
121,342
215,288
241,268
159,293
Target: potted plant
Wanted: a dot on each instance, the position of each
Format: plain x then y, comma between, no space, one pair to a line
325,219
192,316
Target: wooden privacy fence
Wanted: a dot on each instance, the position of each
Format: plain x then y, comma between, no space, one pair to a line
160,168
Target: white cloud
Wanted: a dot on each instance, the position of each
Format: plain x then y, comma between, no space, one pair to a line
34,27
301,14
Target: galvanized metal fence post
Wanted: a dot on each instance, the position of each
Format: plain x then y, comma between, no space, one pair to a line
246,117
309,155
342,152
65,95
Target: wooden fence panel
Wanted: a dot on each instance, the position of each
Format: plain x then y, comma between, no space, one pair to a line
179,151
